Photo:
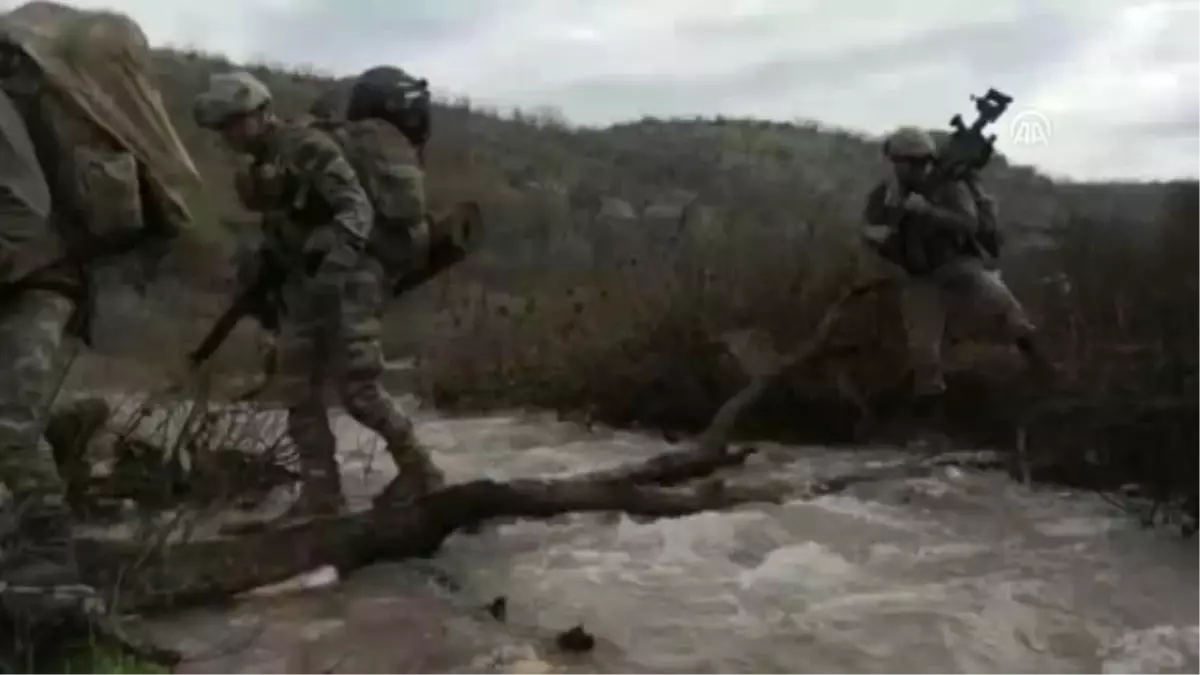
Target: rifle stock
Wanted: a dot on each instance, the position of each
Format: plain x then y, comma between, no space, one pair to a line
451,236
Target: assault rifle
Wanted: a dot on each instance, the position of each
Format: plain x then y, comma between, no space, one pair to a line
450,238
968,150
259,299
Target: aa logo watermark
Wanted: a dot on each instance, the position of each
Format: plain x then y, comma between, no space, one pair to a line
1030,127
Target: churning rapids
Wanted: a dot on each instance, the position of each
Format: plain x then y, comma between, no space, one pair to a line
963,571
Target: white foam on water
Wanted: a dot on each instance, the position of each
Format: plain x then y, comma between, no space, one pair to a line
1159,649
890,554
960,572
1076,527
872,513
807,566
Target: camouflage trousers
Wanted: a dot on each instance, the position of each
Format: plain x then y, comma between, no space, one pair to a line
330,335
966,296
32,329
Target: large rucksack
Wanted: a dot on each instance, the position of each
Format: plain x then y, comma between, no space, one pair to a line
412,244
79,81
394,182
387,121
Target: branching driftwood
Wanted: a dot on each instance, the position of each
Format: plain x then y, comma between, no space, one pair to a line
209,568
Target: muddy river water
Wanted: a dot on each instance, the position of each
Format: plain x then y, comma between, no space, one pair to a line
960,571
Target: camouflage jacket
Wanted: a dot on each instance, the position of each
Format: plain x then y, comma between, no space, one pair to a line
311,198
925,240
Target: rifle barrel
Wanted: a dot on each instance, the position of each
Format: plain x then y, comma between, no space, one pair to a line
224,325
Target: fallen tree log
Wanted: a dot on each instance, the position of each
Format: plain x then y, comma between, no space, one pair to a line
177,569
211,568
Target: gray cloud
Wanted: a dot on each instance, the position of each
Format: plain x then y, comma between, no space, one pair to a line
302,30
1116,79
873,85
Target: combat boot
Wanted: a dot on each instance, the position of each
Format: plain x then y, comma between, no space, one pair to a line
43,552
927,418
320,496
416,477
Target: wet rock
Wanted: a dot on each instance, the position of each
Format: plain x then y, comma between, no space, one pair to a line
498,608
575,640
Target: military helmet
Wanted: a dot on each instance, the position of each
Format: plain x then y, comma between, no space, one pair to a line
393,95
381,90
229,95
909,142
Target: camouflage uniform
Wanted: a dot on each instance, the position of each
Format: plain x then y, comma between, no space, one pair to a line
318,220
105,201
949,278
32,321
32,330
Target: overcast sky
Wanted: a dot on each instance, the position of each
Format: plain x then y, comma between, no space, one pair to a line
1103,88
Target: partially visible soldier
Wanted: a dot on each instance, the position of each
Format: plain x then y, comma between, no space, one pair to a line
950,273
319,221
88,164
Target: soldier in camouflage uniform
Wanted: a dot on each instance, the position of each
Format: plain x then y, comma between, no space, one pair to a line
80,183
318,220
949,274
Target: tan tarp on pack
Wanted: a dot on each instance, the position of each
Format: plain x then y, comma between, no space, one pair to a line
102,60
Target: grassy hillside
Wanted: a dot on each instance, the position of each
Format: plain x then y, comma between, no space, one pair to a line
534,173
567,204
617,262
741,169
